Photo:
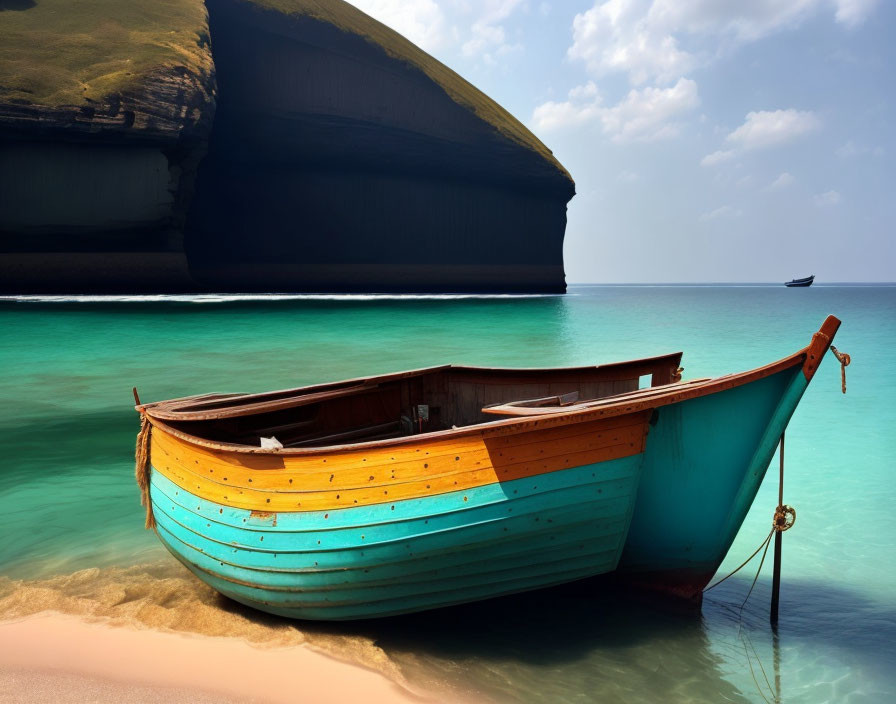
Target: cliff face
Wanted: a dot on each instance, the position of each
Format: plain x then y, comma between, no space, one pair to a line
332,155
105,109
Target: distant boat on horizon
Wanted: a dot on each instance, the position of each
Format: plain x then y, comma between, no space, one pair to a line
801,282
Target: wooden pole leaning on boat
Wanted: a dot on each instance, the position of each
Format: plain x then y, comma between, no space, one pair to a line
785,516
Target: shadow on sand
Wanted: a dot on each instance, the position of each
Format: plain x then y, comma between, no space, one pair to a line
561,644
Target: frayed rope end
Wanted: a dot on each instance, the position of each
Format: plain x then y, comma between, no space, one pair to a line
142,468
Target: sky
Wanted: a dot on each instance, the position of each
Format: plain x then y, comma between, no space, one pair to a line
710,140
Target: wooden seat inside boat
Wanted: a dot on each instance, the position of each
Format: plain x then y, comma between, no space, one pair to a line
406,403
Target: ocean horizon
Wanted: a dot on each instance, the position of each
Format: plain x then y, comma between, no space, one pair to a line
73,526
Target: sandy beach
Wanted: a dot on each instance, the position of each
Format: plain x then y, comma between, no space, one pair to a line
128,633
63,658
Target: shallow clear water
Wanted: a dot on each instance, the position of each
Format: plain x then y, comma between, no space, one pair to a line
68,500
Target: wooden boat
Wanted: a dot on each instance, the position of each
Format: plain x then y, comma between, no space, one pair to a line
800,282
437,486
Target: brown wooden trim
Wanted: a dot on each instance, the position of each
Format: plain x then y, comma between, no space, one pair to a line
194,412
219,405
817,349
526,408
673,393
157,408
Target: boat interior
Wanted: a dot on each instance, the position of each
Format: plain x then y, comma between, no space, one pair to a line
407,403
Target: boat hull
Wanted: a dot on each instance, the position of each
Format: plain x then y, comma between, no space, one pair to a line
704,463
411,555
552,523
652,484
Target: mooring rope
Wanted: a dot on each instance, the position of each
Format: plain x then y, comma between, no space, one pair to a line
763,544
745,638
782,520
142,468
844,360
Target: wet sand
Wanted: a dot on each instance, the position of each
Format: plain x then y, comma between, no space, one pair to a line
126,633
63,658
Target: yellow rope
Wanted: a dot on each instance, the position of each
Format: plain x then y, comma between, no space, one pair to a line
844,360
142,468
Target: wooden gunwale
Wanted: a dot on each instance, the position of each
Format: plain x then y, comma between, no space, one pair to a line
500,428
807,357
521,408
178,409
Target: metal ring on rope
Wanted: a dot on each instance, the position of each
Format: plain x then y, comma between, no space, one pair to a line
785,517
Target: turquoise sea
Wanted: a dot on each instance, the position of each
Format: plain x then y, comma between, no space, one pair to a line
68,501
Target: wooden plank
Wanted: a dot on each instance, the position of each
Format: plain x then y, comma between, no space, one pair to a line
674,393
170,454
525,408
254,499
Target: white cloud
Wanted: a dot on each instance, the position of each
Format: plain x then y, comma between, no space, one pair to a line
648,114
643,115
740,21
718,157
618,36
763,129
783,181
588,90
854,12
770,128
437,25
584,105
725,212
829,198
488,34
421,21
627,176
649,39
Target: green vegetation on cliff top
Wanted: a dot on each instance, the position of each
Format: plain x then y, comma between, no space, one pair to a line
64,52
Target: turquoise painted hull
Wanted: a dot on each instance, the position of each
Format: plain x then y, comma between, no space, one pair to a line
663,517
416,554
703,465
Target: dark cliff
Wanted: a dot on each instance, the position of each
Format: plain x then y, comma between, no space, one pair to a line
271,145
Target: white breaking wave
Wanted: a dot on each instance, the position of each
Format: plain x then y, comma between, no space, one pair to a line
267,297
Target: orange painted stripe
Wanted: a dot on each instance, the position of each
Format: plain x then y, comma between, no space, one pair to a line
169,452
358,479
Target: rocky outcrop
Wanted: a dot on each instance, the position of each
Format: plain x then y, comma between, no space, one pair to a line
276,145
105,111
